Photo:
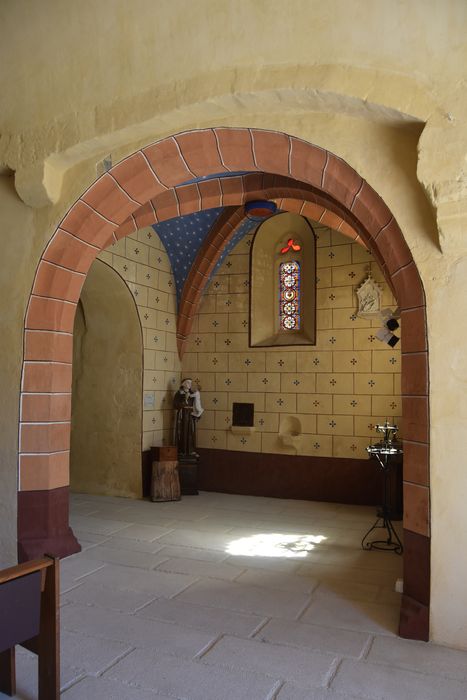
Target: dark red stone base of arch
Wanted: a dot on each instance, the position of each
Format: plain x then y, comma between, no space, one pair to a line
415,607
414,620
43,524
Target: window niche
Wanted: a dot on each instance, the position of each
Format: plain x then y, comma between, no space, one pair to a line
243,414
283,282
243,418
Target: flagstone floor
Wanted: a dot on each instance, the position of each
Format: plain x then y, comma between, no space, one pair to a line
222,597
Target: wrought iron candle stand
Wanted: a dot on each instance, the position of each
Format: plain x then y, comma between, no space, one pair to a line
383,452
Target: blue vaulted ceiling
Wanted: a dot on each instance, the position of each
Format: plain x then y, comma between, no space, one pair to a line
184,236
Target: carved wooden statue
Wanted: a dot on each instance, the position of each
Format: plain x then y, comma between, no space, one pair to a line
187,404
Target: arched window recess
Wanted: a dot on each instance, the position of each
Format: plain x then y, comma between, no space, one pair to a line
283,282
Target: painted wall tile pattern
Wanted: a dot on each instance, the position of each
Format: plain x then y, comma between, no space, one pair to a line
332,394
142,260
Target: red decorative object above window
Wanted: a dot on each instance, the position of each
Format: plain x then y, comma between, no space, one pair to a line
291,246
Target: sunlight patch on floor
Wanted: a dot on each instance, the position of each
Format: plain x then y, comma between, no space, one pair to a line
274,544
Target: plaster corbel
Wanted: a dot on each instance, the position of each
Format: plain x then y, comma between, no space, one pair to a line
442,172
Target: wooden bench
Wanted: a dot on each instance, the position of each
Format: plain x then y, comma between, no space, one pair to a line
29,616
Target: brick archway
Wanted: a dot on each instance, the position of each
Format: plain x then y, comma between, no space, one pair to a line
149,183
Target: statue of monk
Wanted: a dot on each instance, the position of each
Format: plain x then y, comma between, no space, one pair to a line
187,403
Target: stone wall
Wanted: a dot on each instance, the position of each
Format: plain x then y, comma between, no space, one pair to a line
331,394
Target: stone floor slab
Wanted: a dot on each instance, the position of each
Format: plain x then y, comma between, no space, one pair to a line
342,572
79,565
378,682
89,537
226,572
146,533
305,668
234,596
278,581
333,640
125,557
91,654
158,583
127,544
419,656
205,618
110,598
348,590
135,631
289,565
192,680
74,569
98,526
102,689
353,615
178,551
197,538
289,691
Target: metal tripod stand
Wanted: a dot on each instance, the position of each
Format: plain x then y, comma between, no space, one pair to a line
383,452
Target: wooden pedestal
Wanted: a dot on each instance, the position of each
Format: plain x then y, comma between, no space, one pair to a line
165,484
188,473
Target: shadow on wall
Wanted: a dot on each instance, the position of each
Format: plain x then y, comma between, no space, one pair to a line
106,420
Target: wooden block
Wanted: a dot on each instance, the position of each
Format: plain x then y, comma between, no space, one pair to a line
166,453
165,485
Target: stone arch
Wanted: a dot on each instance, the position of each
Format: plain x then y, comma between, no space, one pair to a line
290,195
150,180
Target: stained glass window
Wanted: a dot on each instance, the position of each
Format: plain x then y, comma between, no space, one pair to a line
289,295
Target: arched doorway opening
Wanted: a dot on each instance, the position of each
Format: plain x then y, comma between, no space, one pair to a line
106,421
162,181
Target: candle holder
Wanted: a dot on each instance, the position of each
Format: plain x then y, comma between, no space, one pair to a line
383,452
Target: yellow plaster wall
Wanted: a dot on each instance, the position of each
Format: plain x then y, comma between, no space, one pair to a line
106,413
143,263
332,393
15,285
380,84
